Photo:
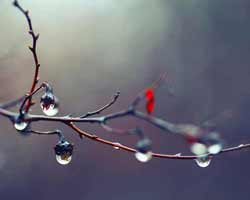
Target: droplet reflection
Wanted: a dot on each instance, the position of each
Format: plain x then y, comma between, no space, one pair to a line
116,147
63,160
52,110
20,125
143,157
215,148
198,148
203,161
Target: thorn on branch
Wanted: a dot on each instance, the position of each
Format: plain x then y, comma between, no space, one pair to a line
37,36
31,49
117,95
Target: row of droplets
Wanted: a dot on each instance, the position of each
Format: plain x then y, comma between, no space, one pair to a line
49,104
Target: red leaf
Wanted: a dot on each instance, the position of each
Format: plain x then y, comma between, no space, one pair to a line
150,107
149,95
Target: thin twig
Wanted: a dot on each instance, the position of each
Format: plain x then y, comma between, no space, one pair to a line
55,132
155,85
153,120
28,97
119,131
33,50
113,100
13,103
102,120
159,155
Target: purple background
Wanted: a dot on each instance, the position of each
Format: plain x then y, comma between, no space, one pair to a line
88,50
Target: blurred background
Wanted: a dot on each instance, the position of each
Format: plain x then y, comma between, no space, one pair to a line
88,50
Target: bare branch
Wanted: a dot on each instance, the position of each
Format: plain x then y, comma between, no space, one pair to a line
55,132
33,50
153,120
114,99
169,127
129,149
28,97
133,131
13,103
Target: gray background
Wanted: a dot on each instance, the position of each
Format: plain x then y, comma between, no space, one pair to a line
91,48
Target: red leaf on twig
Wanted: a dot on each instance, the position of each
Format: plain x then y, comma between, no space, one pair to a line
149,95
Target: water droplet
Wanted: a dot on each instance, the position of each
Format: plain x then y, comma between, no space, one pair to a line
115,147
143,157
49,104
178,154
203,161
144,145
63,151
213,142
63,160
215,148
52,110
20,125
198,148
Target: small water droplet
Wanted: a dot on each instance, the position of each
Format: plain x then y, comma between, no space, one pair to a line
203,161
198,148
144,145
178,154
52,110
20,125
49,104
63,151
116,147
63,160
143,157
215,148
241,145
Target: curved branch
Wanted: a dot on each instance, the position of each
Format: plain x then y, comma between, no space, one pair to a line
158,155
69,121
181,129
33,51
113,100
123,147
55,132
28,97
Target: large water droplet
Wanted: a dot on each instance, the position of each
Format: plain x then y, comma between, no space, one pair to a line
63,151
203,161
143,157
198,148
52,110
20,125
215,148
63,160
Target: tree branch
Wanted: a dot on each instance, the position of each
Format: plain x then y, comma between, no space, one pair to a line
13,103
33,51
184,130
114,99
164,125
